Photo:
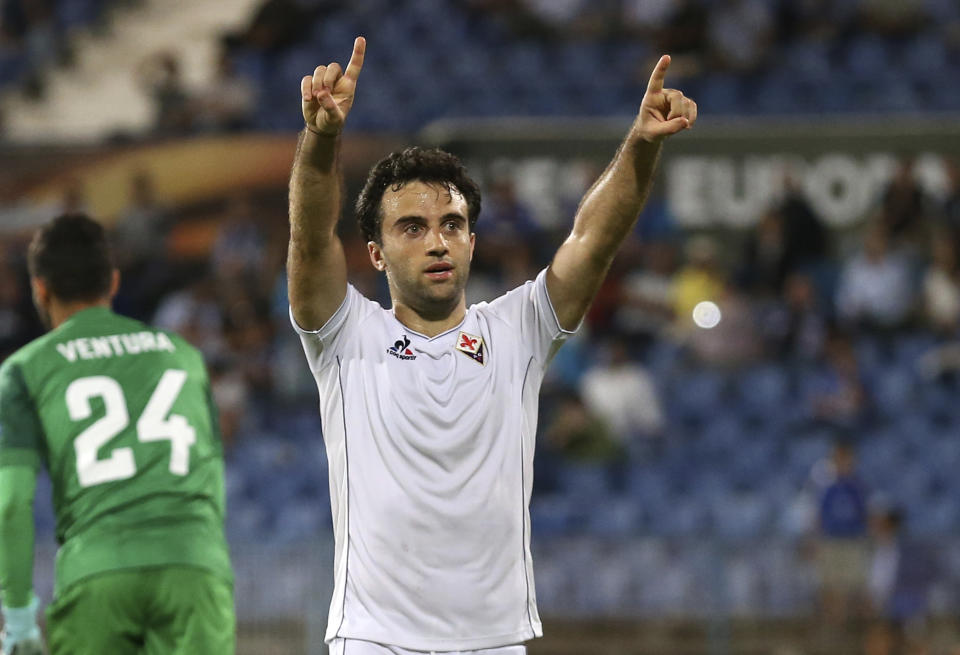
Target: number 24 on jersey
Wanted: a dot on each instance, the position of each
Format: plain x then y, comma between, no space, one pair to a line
154,424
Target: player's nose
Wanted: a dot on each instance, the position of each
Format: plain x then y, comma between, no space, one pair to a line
436,243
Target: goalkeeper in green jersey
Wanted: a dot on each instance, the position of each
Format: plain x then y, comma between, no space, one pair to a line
121,416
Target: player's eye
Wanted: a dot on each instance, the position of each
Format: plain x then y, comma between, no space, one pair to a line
453,225
412,228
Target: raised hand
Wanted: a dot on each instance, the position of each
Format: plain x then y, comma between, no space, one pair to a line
663,111
327,95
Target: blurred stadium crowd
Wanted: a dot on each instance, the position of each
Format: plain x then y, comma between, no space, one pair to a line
680,419
536,57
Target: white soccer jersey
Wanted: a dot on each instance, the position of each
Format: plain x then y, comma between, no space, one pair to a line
430,443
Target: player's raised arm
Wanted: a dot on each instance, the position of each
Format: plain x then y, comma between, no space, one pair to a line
611,206
316,266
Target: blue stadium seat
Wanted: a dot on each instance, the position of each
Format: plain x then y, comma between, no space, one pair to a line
866,57
893,392
248,523
741,515
584,480
300,521
696,396
722,92
763,390
617,516
680,516
551,515
934,516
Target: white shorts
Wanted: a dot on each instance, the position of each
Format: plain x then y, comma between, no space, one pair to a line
359,647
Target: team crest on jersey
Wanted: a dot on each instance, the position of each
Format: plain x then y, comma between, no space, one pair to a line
471,346
400,349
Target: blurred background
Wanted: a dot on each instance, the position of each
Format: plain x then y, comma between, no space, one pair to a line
752,445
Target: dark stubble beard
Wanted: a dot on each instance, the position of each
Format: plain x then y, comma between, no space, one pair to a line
429,306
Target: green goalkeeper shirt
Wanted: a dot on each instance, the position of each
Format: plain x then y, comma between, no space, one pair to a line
121,415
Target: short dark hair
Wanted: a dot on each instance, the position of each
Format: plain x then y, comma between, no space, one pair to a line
71,254
431,166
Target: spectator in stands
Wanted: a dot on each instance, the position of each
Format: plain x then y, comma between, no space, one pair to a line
278,24
699,279
733,341
892,17
790,237
231,395
875,290
842,550
228,101
645,19
903,207
814,20
950,209
240,249
622,393
941,287
140,243
144,224
507,218
806,236
173,108
765,261
194,313
740,34
74,198
590,19
794,326
31,25
839,398
901,573
684,36
578,434
16,326
645,309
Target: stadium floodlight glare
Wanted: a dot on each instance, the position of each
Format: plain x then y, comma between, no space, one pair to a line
706,315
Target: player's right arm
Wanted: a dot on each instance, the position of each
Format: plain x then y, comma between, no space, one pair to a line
316,266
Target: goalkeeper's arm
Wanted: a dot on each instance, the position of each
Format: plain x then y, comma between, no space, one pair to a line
21,635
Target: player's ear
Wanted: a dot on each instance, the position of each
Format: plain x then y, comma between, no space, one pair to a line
473,243
41,293
114,283
376,255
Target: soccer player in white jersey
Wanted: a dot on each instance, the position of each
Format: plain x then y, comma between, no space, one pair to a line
430,407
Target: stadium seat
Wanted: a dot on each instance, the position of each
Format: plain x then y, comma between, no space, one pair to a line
617,516
551,515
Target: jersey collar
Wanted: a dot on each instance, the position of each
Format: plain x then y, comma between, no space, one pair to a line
433,338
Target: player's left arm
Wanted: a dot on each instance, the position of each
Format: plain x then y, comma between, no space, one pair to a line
17,488
20,446
18,485
611,206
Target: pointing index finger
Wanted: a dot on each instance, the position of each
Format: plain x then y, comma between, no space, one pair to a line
655,85
356,59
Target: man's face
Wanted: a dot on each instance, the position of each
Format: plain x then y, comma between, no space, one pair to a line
426,247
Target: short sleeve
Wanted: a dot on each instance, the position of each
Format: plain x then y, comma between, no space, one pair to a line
322,346
529,309
21,435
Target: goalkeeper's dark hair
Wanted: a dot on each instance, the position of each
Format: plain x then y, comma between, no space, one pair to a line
431,166
71,254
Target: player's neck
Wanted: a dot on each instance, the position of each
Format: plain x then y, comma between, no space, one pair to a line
429,326
60,312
